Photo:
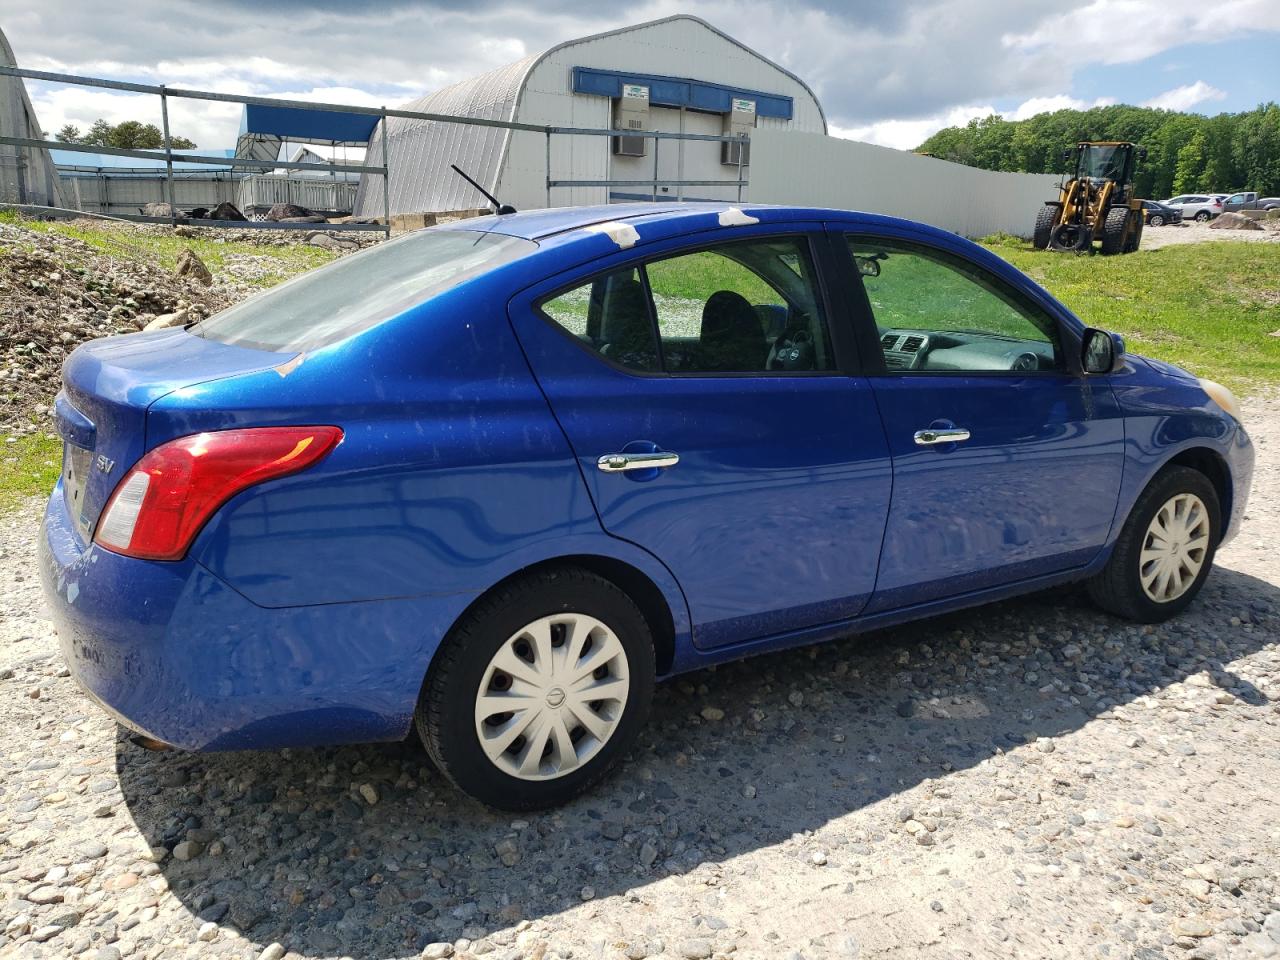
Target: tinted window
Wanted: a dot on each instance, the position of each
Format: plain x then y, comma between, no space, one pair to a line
610,315
746,307
740,308
935,312
352,294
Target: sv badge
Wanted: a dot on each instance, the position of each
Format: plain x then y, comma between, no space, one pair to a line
105,464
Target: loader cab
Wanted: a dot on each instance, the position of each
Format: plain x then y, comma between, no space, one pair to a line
1100,162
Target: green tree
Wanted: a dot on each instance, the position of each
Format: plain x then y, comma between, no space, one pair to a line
1188,174
127,135
1186,151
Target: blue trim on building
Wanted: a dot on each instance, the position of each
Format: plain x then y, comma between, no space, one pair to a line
302,124
678,92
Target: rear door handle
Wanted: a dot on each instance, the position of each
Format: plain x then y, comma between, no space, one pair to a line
620,462
927,438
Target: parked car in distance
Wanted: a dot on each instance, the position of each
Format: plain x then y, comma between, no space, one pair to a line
1249,201
493,479
1196,206
1159,214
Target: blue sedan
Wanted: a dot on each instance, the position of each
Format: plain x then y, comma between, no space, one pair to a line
494,479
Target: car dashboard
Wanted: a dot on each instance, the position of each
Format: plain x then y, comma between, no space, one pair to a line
963,351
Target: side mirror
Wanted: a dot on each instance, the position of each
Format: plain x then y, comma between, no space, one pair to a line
1142,154
1067,155
1101,352
868,266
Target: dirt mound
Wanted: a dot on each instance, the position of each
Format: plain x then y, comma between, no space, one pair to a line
58,291
1235,221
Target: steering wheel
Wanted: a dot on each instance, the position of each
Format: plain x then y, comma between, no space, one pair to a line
1025,361
793,350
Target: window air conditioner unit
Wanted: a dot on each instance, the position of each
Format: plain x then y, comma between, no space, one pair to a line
631,112
738,122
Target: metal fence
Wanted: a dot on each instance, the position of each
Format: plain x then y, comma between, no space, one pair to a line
258,193
168,157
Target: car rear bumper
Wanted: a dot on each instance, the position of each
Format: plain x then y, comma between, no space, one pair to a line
176,654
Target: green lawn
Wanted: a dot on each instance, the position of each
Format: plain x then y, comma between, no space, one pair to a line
163,248
1209,307
29,468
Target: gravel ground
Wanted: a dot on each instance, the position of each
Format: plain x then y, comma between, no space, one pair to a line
1153,238
1033,779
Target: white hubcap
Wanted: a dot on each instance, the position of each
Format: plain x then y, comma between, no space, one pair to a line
1174,548
552,696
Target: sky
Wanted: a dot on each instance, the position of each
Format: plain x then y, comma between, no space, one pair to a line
886,72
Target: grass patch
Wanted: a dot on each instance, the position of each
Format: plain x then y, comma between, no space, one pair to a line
29,468
1208,307
163,248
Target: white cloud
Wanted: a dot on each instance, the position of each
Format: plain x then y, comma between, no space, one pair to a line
1147,28
909,134
1037,105
1186,96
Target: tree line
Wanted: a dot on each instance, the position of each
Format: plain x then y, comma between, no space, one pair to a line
1187,152
126,135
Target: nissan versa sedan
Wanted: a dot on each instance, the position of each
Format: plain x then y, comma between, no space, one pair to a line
491,480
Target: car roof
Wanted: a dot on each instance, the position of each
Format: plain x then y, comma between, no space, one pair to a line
661,220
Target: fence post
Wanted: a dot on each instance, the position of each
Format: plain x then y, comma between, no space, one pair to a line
386,175
168,157
742,149
653,197
548,136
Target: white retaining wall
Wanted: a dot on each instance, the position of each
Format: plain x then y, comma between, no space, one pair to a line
806,169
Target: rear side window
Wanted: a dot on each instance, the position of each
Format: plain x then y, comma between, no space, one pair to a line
746,307
357,292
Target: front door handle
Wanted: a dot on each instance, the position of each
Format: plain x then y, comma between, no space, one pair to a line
619,462
927,438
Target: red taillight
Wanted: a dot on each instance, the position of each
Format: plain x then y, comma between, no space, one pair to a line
162,503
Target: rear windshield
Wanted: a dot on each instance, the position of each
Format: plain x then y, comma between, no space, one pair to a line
353,294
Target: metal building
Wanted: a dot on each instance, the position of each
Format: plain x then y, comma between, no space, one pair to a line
675,75
26,174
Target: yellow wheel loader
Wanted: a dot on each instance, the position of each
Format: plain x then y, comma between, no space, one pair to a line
1097,203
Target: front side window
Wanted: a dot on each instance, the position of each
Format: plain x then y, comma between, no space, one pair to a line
746,307
940,314
350,295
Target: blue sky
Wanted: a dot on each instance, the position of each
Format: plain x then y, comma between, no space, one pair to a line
889,72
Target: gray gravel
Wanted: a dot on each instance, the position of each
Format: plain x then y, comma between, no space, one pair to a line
1033,779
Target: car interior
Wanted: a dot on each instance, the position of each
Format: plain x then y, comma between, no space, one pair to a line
743,307
938,313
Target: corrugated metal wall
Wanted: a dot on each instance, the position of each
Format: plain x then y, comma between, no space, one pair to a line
121,194
811,170
421,150
538,90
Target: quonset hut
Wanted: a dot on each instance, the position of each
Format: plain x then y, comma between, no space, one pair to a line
26,174
678,74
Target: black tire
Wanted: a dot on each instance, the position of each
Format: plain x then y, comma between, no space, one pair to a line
1113,230
1156,220
445,717
1203,216
1135,235
1045,220
1118,587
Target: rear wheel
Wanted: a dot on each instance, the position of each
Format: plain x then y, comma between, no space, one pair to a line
1165,550
1044,226
1113,230
1135,235
538,690
1203,216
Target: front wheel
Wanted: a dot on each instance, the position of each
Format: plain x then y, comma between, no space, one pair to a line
538,690
1165,550
1156,220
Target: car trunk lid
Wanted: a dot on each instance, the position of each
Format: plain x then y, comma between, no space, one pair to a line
108,385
